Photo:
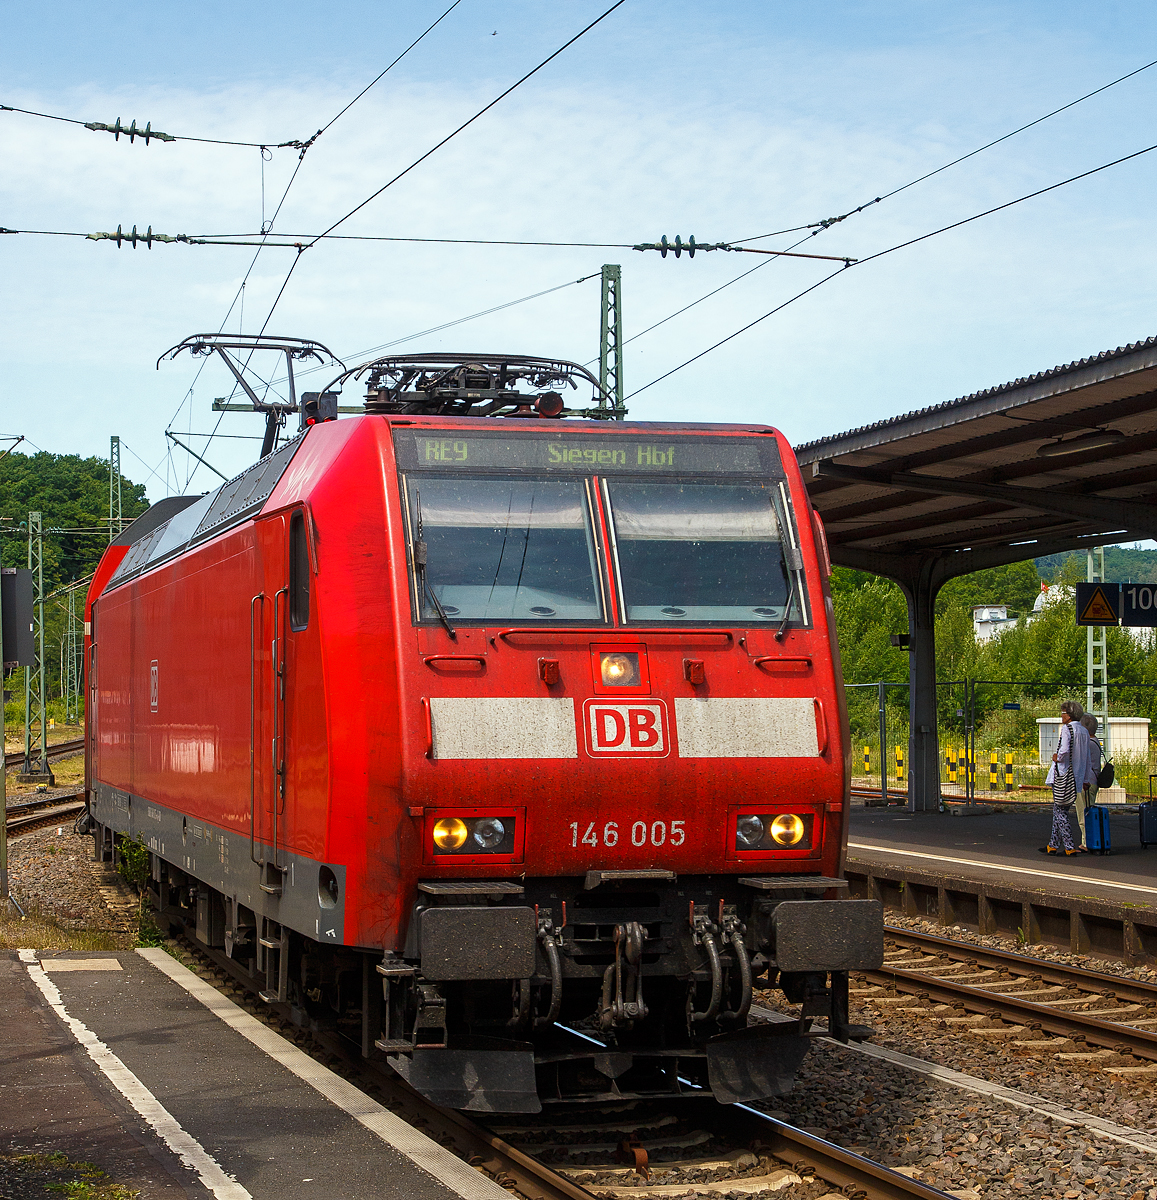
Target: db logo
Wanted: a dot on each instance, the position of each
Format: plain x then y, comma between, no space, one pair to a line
619,729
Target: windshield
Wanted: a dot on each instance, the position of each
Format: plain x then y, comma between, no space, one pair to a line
702,551
502,549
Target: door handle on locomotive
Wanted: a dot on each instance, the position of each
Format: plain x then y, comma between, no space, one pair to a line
821,726
782,658
480,659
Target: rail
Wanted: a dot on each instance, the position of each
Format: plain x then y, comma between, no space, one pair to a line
26,816
15,758
519,1170
932,981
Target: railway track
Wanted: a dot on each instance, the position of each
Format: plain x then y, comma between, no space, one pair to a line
1035,998
28,815
630,1149
15,758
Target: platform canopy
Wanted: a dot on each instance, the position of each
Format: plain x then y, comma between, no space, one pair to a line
1061,460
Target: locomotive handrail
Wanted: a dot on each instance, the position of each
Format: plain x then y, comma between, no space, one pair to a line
429,719
821,725
782,658
480,659
253,726
277,654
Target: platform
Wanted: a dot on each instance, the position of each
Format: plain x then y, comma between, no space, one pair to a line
987,872
130,1061
1005,846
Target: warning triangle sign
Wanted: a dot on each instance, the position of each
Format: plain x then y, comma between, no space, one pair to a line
1098,610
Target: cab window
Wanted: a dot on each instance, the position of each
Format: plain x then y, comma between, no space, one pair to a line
502,549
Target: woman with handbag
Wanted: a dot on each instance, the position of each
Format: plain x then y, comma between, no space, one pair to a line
1070,763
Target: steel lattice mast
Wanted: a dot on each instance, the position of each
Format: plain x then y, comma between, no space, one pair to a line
35,713
1097,651
115,514
611,341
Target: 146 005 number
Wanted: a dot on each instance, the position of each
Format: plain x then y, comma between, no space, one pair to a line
657,833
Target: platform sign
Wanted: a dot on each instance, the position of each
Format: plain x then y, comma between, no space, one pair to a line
1099,603
1139,604
1012,707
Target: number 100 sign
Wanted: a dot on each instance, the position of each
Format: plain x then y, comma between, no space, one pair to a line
1139,604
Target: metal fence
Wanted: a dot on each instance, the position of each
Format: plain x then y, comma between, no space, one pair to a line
990,734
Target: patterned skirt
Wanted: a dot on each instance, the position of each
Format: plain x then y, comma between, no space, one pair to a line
1064,797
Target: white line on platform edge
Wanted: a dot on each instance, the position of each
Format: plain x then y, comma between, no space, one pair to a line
447,1168
1002,867
1137,1138
164,1124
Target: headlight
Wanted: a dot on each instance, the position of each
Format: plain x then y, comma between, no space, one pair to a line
749,831
489,832
787,829
450,833
473,835
774,831
619,670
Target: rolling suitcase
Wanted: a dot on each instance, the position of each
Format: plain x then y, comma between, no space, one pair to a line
1097,829
1148,815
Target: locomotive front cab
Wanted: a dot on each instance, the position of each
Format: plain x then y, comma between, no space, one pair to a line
628,761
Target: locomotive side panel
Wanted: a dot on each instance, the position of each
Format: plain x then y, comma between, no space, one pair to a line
346,662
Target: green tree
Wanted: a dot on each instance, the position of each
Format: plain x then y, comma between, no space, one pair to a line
72,493
1016,585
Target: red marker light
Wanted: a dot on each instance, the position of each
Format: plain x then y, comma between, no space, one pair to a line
549,405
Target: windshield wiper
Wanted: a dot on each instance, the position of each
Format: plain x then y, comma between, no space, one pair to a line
420,555
792,565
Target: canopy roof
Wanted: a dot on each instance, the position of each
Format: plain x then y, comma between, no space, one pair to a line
966,482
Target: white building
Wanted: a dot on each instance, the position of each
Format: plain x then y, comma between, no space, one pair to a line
989,619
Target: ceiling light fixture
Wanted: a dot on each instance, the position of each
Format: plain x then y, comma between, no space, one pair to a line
1087,441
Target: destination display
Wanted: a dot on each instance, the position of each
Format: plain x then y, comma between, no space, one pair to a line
659,455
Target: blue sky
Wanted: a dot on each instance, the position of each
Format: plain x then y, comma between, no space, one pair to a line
722,120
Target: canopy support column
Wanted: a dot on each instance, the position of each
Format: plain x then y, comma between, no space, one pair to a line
920,589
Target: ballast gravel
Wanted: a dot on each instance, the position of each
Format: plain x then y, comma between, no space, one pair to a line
53,874
957,1142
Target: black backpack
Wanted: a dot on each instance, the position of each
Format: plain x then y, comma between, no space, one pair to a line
1106,774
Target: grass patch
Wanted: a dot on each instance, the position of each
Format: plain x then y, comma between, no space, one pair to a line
21,1173
149,933
39,931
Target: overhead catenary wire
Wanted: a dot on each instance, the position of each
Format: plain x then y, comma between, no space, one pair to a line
147,133
427,154
465,124
820,226
267,227
409,337
899,246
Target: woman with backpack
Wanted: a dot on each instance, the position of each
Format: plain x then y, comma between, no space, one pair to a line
1088,797
1070,763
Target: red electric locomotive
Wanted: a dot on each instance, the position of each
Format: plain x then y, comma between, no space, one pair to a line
510,743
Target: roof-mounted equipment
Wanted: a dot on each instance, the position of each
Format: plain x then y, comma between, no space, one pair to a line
477,385
294,349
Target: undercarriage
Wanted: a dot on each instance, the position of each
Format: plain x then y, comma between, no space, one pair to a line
511,995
